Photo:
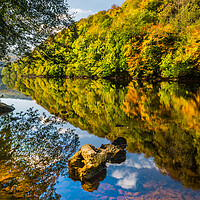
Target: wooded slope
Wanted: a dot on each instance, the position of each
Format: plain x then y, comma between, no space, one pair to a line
140,38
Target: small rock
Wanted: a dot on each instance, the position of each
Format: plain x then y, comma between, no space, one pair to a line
121,142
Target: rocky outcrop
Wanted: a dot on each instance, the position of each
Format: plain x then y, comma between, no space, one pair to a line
5,108
88,165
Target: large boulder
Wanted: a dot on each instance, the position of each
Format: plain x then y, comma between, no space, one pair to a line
88,165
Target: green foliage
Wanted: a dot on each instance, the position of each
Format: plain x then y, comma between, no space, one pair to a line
24,23
143,38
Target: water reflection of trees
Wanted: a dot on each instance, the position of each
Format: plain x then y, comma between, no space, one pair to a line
170,117
161,120
34,152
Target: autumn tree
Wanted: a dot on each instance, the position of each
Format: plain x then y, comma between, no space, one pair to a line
25,24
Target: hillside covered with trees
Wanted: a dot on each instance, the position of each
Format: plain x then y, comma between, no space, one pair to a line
151,38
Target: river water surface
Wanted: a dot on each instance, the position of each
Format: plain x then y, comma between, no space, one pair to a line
53,118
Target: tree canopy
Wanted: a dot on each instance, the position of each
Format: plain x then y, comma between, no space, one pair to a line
151,38
26,23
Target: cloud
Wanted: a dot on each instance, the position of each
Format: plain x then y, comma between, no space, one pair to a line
127,173
127,180
118,174
140,163
79,13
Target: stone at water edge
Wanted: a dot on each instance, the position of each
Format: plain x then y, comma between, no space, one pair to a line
89,161
86,163
5,108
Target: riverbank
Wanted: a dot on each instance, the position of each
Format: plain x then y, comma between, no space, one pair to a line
124,78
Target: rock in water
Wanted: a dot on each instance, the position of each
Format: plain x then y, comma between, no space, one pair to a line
5,108
88,165
120,141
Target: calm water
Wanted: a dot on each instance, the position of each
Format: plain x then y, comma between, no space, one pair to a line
54,118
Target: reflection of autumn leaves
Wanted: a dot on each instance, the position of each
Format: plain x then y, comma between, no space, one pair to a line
91,105
189,110
142,104
186,107
136,103
131,103
160,120
16,184
37,150
171,116
157,109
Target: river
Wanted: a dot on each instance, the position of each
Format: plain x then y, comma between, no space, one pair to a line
53,118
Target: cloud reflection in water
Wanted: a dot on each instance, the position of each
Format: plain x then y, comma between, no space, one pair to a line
127,173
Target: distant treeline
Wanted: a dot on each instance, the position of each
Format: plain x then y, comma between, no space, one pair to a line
151,38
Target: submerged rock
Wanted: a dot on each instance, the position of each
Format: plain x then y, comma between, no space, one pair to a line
88,165
5,108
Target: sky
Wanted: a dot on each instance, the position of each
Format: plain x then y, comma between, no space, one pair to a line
84,8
